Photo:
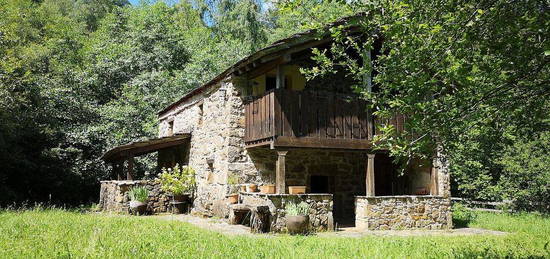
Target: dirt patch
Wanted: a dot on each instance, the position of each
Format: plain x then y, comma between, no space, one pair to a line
220,226
354,232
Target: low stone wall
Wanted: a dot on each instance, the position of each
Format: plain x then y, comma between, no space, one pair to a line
320,215
113,196
403,212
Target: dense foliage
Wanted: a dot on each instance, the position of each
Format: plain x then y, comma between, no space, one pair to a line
80,76
472,77
177,180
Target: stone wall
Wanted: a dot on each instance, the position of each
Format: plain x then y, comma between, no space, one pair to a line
403,212
320,214
113,196
215,119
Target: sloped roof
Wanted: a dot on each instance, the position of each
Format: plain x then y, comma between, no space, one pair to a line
277,46
143,147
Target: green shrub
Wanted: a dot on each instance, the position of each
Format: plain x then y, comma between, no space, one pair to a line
300,209
138,194
177,180
462,215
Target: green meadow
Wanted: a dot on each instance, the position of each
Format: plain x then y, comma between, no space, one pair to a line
49,233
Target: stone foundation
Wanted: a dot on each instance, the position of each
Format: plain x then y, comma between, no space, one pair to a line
403,212
113,196
320,214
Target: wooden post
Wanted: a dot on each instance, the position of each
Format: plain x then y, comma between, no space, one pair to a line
130,172
280,79
370,175
118,166
434,186
280,172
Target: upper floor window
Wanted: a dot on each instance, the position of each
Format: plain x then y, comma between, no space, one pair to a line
170,128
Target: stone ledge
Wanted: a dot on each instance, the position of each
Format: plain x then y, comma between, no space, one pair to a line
257,194
402,197
126,182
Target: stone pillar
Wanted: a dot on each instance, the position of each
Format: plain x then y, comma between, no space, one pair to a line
280,172
370,176
130,171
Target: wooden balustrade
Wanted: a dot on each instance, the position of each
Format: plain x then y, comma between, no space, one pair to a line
315,116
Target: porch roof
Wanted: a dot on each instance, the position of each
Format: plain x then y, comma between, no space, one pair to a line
143,147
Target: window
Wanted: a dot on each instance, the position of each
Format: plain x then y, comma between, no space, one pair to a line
170,128
270,83
201,110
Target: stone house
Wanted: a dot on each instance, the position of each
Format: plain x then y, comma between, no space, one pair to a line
261,122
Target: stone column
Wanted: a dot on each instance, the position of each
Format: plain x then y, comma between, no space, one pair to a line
370,175
130,172
280,172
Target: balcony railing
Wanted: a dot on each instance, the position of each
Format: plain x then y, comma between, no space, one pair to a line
302,114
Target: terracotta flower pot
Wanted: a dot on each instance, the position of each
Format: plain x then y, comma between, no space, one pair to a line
297,224
138,208
251,188
268,188
296,189
232,198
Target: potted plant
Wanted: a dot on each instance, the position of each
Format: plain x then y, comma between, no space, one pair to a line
251,188
297,217
138,200
267,188
232,181
296,189
179,181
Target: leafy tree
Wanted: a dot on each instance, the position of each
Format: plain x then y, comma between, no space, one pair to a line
465,74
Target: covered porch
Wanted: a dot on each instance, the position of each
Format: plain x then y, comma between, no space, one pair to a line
113,196
363,187
171,150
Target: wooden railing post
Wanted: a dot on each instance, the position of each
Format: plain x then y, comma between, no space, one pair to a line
280,172
370,176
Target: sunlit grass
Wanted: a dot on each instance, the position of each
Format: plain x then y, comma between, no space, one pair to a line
59,233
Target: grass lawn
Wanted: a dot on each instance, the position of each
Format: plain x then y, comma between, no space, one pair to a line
58,233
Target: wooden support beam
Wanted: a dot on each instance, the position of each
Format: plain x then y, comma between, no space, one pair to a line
434,186
280,80
118,167
312,142
370,176
130,171
280,171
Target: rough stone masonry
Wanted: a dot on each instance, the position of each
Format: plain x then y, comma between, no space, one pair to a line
114,196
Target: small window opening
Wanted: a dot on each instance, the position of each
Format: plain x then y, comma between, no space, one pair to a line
201,110
171,128
270,83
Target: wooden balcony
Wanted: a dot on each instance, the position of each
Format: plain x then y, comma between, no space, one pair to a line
286,118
